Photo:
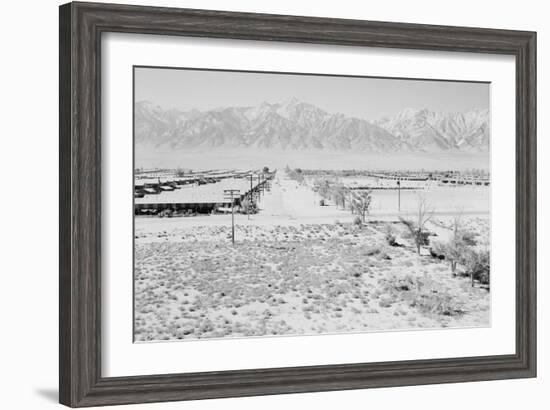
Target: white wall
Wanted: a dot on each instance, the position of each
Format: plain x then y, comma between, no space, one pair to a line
28,221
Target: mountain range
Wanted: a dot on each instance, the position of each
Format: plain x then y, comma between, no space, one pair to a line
297,125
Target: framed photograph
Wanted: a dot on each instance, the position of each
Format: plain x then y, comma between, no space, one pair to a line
261,204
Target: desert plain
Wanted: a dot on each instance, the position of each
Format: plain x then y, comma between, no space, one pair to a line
300,268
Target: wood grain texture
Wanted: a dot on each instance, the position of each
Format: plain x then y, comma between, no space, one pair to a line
81,26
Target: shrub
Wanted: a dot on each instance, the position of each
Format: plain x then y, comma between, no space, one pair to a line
477,264
358,221
416,233
390,237
459,248
468,238
453,251
374,250
405,283
248,207
439,304
438,250
424,294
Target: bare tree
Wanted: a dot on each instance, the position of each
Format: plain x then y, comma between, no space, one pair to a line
456,247
453,251
361,202
340,193
322,187
459,244
417,226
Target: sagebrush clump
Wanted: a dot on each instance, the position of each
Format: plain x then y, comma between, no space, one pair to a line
477,264
424,294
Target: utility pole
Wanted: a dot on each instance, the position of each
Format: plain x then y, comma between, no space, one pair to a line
250,198
251,185
229,194
399,195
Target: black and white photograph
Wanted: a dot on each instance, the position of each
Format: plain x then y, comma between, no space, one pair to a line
280,204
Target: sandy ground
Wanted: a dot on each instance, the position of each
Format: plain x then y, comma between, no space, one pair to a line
296,268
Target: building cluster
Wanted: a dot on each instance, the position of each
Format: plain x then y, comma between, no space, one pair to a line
442,177
195,192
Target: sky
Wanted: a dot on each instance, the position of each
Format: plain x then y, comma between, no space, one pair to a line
362,97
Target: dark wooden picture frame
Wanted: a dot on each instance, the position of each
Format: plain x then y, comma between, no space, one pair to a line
81,27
